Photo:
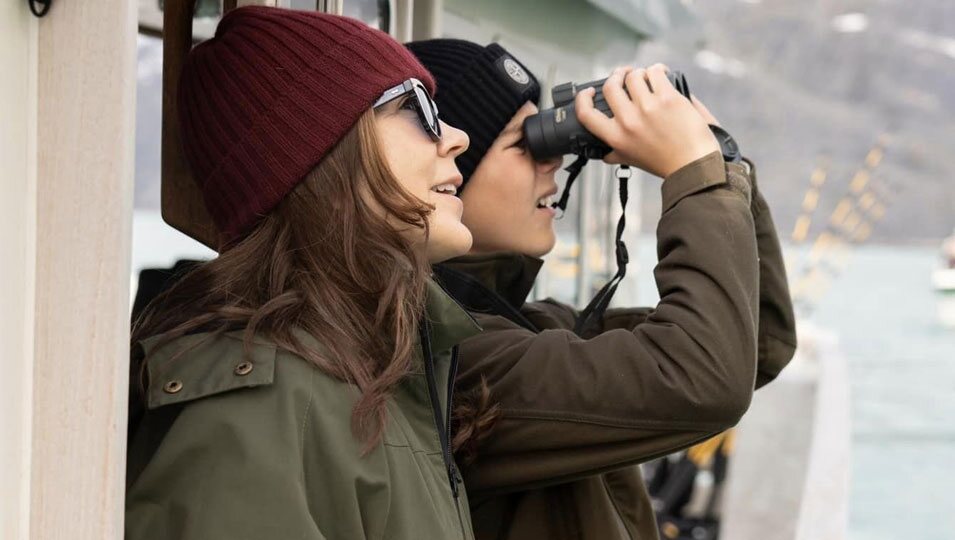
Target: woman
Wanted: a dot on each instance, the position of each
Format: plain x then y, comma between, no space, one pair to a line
553,423
297,386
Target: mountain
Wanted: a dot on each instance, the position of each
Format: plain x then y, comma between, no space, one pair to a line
823,82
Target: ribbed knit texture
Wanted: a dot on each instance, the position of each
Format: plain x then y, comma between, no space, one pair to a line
475,91
264,100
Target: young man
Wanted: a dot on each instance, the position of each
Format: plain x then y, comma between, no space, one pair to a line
551,425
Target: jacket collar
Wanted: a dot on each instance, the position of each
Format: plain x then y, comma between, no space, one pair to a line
510,275
450,323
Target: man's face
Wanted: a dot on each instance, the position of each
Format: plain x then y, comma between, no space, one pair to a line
507,200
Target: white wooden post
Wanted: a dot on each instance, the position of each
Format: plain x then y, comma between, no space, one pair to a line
18,50
66,144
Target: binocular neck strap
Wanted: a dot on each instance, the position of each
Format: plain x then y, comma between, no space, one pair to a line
574,170
593,313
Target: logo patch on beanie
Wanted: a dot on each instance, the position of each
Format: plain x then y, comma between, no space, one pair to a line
515,71
515,77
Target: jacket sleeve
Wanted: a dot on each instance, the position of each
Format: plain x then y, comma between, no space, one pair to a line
571,407
777,322
230,467
776,331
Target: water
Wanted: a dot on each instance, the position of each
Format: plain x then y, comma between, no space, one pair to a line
902,370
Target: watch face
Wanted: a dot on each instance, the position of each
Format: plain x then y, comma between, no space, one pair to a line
728,146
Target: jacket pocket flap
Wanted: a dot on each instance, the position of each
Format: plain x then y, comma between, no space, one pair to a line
196,366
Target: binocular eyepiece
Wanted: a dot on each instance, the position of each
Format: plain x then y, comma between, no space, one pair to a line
557,131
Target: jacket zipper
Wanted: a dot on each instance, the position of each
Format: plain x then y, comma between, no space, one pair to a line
452,373
441,423
457,506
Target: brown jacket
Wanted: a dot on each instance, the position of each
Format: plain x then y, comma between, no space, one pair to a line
579,414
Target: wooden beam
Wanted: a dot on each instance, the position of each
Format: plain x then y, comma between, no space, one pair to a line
182,205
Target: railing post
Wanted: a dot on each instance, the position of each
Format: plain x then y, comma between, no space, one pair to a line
85,115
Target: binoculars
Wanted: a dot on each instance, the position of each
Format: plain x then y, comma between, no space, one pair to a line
557,131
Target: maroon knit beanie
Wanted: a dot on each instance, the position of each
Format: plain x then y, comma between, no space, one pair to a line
264,100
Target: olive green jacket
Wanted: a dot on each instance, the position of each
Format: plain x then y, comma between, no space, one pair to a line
259,446
578,414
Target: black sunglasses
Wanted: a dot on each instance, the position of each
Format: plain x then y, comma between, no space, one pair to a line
426,107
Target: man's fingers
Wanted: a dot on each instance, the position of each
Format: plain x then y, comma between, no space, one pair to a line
637,87
595,121
613,91
657,75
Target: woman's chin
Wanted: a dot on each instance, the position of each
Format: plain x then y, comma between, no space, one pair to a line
448,242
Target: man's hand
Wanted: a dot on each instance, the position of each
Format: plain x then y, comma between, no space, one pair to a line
653,126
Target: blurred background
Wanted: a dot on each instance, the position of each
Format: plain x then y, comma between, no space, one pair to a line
848,110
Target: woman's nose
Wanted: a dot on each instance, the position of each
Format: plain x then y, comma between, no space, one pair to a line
453,141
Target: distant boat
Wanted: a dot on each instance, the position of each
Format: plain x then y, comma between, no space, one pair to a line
944,278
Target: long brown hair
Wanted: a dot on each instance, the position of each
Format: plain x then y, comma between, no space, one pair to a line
329,261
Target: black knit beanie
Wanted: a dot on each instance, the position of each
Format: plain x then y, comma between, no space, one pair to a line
479,90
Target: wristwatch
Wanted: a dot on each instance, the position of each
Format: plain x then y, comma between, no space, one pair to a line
728,146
